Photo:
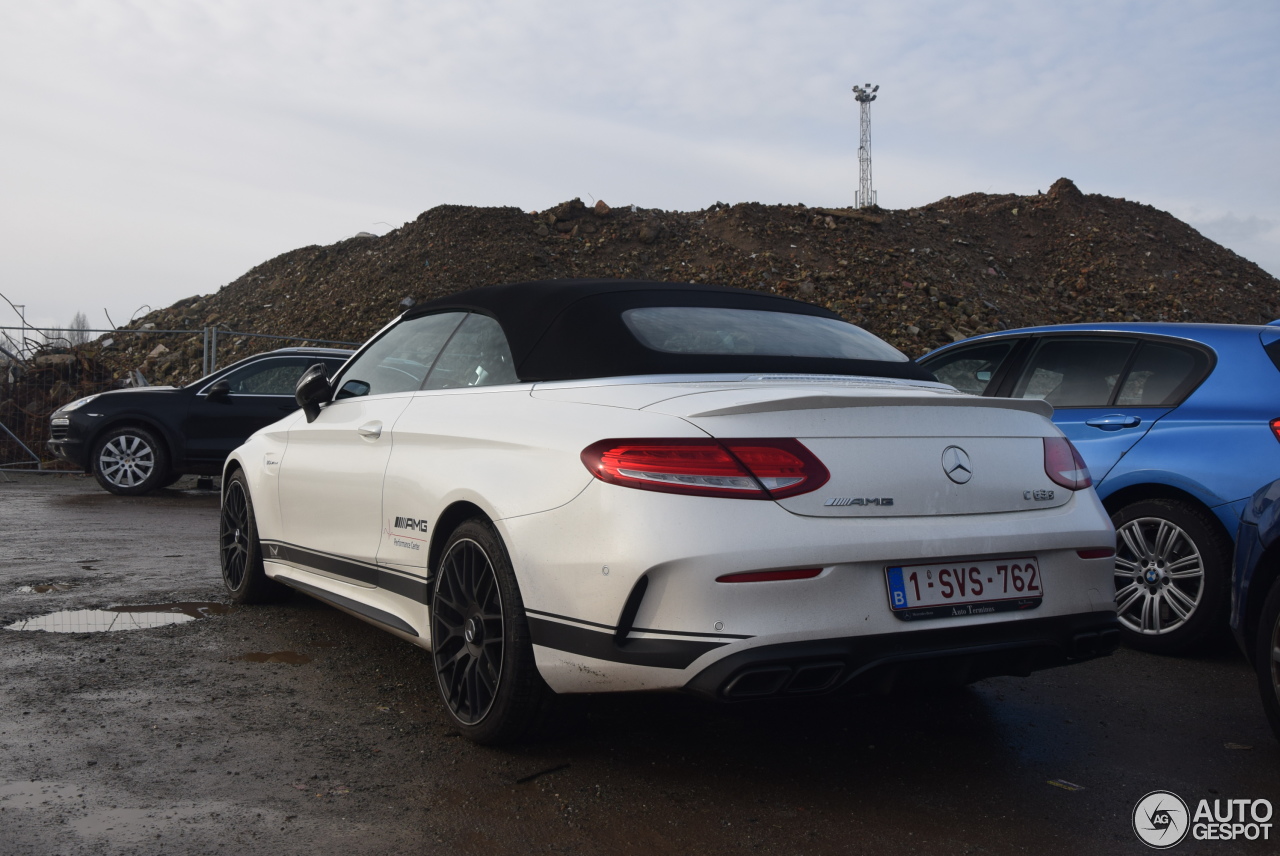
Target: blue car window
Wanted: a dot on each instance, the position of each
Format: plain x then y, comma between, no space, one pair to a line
1272,349
1074,372
971,369
1161,375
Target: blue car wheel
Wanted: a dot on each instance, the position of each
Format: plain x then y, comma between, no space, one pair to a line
1172,575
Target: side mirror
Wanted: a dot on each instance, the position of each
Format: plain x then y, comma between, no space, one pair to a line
312,389
219,391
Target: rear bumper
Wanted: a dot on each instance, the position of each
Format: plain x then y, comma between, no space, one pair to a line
947,656
596,627
1249,550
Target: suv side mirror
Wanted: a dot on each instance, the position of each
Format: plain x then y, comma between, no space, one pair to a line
312,389
218,391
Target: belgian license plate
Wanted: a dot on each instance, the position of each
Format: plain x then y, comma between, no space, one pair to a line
949,589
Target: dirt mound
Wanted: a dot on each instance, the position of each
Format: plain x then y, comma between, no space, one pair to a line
918,277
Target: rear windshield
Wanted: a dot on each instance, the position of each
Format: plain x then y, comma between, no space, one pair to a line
726,332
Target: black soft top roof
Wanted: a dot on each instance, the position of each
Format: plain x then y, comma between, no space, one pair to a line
570,329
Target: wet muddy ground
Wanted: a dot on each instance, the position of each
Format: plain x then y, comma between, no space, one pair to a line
294,728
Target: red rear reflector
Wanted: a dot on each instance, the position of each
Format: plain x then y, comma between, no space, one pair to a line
740,469
1275,428
769,576
1097,553
1063,464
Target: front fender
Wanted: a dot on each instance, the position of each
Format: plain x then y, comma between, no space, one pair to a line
260,458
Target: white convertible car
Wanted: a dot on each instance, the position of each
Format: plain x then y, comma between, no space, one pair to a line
598,486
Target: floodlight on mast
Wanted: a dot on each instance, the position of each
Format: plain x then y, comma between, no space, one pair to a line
864,95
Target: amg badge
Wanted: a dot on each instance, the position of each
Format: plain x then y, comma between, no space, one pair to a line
841,501
411,523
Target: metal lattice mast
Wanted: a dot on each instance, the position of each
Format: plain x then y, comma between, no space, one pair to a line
865,94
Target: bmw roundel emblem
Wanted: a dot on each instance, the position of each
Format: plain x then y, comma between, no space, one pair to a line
955,463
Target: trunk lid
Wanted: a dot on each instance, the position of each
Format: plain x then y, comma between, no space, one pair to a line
893,450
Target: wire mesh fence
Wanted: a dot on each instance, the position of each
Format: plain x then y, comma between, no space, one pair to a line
43,369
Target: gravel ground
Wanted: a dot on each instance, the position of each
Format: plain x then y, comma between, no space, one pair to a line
297,729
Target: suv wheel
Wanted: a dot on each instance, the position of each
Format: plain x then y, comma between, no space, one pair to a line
130,461
1172,575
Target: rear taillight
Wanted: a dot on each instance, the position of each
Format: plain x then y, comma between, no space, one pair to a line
1063,464
739,469
1275,428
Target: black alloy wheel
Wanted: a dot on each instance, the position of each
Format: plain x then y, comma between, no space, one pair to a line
481,650
130,461
1172,576
239,550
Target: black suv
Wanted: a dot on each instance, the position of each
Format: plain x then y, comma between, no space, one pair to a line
138,440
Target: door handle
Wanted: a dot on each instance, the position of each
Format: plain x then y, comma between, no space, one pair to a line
1114,422
371,430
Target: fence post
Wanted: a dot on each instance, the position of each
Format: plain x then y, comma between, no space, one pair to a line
213,350
16,439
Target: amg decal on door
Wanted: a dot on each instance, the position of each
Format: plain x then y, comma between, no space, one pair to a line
410,523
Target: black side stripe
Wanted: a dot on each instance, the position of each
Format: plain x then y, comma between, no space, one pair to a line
373,614
599,645
613,629
412,588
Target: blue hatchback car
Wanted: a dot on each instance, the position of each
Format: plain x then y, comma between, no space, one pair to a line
1255,594
1179,425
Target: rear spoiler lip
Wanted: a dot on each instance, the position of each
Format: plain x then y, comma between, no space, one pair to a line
830,402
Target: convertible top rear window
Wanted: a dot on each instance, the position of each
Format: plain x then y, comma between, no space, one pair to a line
577,329
719,330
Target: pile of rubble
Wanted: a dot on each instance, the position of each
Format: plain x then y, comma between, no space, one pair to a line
919,277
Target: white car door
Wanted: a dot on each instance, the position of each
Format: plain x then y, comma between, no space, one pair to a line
332,470
437,432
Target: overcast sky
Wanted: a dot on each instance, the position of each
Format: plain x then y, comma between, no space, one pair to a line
152,150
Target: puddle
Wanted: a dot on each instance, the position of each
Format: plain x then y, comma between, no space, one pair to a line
293,658
120,617
45,588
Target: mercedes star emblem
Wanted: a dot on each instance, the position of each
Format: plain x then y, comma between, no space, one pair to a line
955,463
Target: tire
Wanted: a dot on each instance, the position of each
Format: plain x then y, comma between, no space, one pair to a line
481,650
1266,657
130,461
171,479
240,552
1173,572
